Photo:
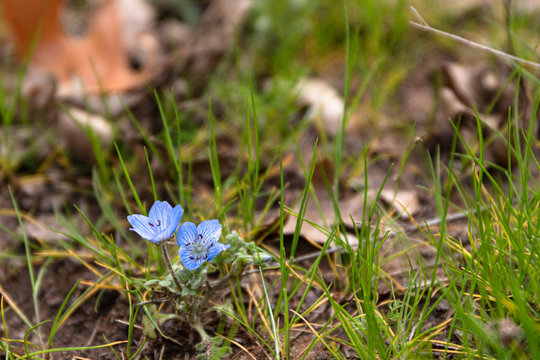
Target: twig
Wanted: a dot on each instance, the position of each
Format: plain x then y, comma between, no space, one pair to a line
94,332
422,24
126,323
155,301
162,352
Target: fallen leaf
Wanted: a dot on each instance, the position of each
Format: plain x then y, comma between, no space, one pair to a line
325,104
97,61
43,193
75,126
404,203
474,89
45,228
320,208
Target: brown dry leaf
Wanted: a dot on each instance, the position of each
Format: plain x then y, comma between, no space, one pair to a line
44,192
320,208
325,104
325,220
95,62
404,203
45,228
74,126
473,87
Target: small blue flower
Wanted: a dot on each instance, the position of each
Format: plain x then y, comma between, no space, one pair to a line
160,224
199,244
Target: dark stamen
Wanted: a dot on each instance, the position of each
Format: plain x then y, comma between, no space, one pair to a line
159,223
152,225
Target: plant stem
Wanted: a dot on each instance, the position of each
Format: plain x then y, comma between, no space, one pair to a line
169,267
217,286
199,328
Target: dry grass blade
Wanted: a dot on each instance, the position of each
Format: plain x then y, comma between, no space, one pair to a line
253,298
312,330
239,345
13,305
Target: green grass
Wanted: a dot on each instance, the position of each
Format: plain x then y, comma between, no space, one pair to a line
484,279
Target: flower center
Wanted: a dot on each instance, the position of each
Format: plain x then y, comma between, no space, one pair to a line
199,248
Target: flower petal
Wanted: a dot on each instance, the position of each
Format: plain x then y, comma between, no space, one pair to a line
215,249
161,235
210,230
141,226
187,233
188,260
175,215
159,211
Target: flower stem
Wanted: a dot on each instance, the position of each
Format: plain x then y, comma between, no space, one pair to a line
169,266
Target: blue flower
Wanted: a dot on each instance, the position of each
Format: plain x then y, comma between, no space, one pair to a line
160,224
199,244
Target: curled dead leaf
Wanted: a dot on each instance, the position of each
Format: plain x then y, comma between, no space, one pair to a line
93,63
325,104
319,216
404,203
44,228
75,127
468,91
